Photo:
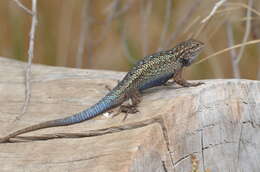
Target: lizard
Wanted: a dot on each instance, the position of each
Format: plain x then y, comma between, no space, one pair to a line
153,70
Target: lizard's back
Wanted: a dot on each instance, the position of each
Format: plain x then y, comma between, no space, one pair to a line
151,71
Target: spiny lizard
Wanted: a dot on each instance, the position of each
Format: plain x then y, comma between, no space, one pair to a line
153,70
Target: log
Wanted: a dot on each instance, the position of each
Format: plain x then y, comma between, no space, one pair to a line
211,128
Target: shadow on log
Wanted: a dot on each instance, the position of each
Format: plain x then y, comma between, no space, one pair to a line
214,127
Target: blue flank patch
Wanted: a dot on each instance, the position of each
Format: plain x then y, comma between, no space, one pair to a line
156,82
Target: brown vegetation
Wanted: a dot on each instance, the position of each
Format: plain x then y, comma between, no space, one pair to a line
113,34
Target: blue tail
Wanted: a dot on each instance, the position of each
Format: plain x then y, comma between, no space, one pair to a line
102,106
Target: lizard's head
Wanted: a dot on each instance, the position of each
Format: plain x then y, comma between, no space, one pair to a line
189,50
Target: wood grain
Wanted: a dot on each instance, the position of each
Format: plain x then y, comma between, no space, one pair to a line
218,123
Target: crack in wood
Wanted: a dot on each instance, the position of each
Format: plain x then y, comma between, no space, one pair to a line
100,132
252,123
217,144
90,133
164,166
176,163
206,126
239,146
78,160
202,150
166,138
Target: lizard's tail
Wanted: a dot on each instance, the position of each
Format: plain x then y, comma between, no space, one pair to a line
103,105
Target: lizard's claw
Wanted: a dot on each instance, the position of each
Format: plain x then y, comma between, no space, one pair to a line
128,109
196,84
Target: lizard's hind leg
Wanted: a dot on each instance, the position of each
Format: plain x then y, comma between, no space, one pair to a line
135,98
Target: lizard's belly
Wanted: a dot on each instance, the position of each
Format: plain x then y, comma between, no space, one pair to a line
157,81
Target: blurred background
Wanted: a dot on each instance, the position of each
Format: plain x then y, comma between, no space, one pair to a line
114,34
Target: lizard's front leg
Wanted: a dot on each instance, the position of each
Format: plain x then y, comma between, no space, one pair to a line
179,80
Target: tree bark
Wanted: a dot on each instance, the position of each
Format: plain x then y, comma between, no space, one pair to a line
214,127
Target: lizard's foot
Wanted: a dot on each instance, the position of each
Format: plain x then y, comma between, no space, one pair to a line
169,83
195,84
126,109
135,98
188,84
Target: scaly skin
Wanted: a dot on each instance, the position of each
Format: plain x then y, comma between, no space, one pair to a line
151,71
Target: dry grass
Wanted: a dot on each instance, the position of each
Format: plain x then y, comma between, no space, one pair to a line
114,34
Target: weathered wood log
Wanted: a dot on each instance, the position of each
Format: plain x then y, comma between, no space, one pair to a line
217,125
